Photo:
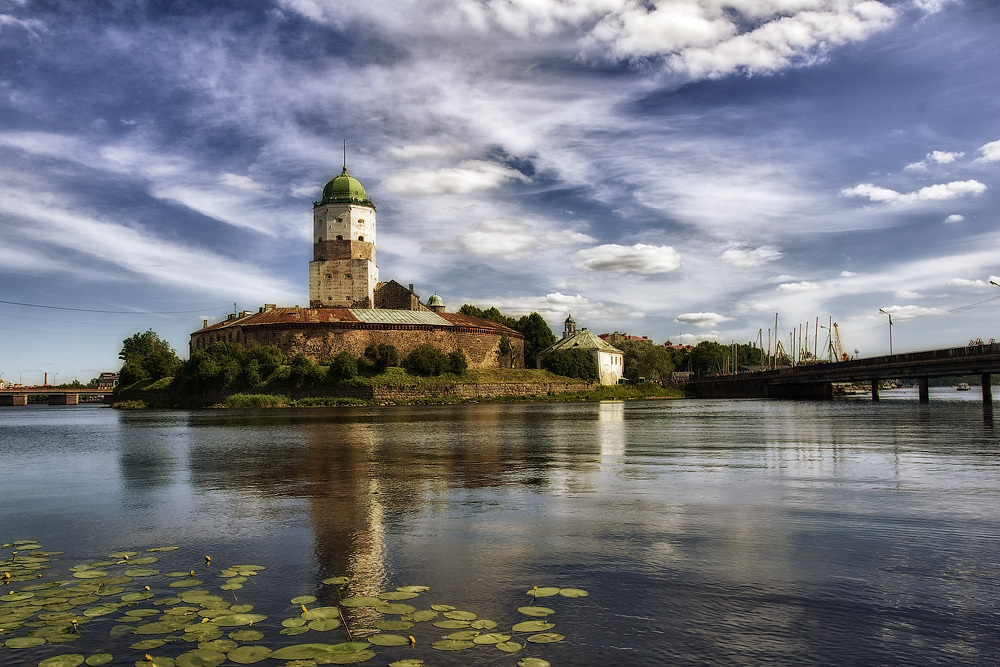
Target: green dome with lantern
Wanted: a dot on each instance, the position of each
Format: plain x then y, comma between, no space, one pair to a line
345,189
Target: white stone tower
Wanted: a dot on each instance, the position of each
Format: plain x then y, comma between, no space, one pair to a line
343,273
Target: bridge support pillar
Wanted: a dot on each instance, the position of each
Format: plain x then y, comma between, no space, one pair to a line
923,391
875,391
14,399
987,389
64,399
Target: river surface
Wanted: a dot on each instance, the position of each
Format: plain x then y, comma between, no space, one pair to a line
704,532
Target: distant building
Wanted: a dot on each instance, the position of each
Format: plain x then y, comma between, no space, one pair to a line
350,309
672,346
107,381
610,360
615,338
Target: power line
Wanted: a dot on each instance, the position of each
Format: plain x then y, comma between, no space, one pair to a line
114,312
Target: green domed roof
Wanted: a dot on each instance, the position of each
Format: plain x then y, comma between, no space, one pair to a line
435,301
345,188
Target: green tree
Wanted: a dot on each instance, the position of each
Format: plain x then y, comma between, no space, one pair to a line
381,357
708,358
537,336
505,350
458,363
303,372
343,367
146,356
644,360
572,363
426,360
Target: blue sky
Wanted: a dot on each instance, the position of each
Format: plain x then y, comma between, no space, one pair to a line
679,169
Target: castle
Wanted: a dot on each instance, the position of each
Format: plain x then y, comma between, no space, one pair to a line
349,309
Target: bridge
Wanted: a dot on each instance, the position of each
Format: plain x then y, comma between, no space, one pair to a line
56,395
816,381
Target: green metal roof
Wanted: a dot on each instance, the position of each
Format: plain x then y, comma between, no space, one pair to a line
345,188
386,316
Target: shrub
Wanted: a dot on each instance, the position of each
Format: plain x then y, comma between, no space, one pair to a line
381,357
426,360
458,363
572,363
343,367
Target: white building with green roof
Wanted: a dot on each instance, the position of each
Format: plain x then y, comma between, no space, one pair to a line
610,360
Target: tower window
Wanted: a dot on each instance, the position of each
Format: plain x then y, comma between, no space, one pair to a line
329,276
339,237
340,219
361,221
347,275
321,239
361,238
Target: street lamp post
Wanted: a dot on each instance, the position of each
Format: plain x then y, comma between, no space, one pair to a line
890,329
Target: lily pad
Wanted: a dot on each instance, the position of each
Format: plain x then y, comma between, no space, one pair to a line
420,615
543,592
395,608
293,622
98,659
142,572
238,619
546,638
450,624
148,644
533,662
324,624
398,595
65,660
483,624
24,642
451,645
461,615
156,549
200,658
533,626
442,607
185,583
573,593
90,574
536,611
320,613
491,638
348,658
408,662
302,651
393,625
510,647
383,639
464,635
334,581
247,655
413,589
246,635
302,599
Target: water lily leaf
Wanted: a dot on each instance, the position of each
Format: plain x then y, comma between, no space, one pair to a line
348,658
141,613
123,554
383,639
90,574
17,597
147,644
238,619
65,660
450,625
103,610
573,593
533,626
461,615
143,560
320,613
98,659
156,549
393,625
120,631
413,589
398,595
543,592
409,662
247,655
510,647
360,602
246,635
324,624
536,611
349,647
219,645
294,631
336,580
451,645
442,607
491,638
200,658
463,635
302,651
231,587
293,622
24,642
241,608
185,583
533,662
546,638
136,597
157,661
420,615
395,608
302,599
141,572
483,624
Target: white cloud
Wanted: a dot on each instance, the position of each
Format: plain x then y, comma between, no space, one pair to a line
505,237
989,152
32,26
702,319
939,192
241,182
423,151
801,286
907,294
935,157
749,257
910,312
965,282
468,177
847,274
639,259
933,6
954,218
694,339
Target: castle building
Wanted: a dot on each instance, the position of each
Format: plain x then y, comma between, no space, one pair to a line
349,309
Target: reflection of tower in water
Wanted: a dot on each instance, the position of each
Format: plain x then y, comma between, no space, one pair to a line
347,514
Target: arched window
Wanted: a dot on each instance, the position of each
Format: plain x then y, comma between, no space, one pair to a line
339,237
321,239
361,238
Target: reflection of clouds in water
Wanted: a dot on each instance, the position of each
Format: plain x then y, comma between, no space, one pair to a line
611,429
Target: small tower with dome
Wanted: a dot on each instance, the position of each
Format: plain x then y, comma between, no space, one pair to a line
343,273
569,326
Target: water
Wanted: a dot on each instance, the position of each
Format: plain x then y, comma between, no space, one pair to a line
706,532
